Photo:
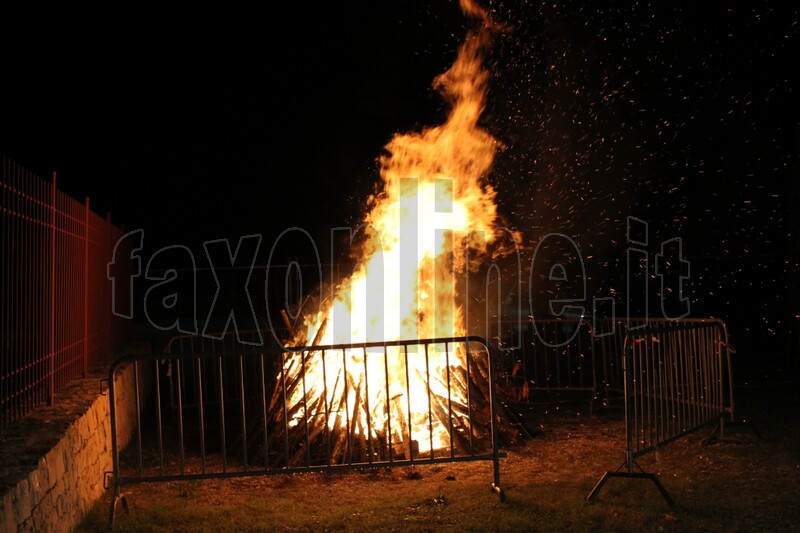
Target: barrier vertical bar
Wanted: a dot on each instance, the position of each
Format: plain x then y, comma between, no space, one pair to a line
493,424
138,411
112,404
264,414
410,445
221,394
366,408
430,412
285,410
450,399
179,381
388,405
346,408
627,373
327,407
158,418
305,405
201,416
243,413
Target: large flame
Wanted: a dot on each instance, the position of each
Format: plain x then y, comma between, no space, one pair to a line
434,201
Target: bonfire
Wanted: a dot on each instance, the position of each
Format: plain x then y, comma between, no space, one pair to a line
432,219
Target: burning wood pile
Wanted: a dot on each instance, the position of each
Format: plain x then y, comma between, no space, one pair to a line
405,402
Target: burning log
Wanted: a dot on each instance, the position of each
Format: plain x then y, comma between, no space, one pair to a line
446,415
308,432
405,443
353,428
337,437
288,323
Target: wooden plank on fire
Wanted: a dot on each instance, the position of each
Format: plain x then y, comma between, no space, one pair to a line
402,434
440,409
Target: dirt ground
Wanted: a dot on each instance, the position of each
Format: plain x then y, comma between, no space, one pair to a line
749,481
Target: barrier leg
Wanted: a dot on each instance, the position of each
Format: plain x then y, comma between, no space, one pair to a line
632,475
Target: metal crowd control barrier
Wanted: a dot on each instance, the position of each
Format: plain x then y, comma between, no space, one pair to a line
575,356
675,377
556,357
608,336
571,358
231,411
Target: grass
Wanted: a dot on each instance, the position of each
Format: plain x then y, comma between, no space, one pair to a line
752,484
376,501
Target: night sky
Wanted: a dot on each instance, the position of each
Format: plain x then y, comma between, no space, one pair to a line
220,123
201,125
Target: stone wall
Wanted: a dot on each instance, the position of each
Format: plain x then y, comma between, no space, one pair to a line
55,493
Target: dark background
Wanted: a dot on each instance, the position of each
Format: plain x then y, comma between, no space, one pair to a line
208,124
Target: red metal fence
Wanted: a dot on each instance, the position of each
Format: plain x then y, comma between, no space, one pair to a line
55,298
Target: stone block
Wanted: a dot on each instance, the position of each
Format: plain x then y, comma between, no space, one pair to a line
8,517
22,499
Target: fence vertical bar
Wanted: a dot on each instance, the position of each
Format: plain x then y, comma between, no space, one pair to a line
22,373
44,277
4,370
107,316
51,371
51,307
86,290
23,287
16,268
30,252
